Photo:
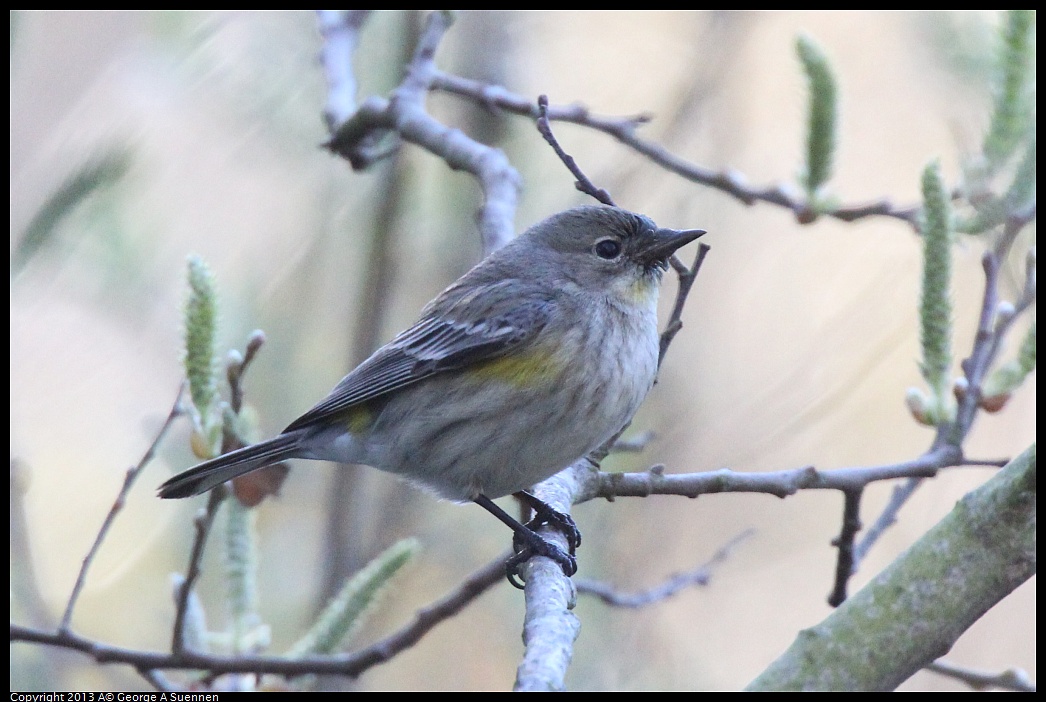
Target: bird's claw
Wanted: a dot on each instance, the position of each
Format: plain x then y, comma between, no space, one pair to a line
526,548
529,544
563,523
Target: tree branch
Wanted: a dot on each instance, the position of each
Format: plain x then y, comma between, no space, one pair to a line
357,137
781,483
702,576
958,570
624,130
1012,679
148,662
583,183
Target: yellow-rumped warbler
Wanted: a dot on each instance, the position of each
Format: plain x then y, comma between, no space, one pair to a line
532,359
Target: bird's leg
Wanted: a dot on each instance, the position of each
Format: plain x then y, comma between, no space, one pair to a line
528,544
544,514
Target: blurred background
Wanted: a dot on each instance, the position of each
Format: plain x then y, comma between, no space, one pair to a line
202,131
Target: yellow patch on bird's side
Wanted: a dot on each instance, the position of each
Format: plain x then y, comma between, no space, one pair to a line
358,419
523,369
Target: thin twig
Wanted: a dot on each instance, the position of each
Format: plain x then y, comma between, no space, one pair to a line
635,444
699,576
204,521
845,544
887,518
985,346
236,369
118,504
158,680
1013,225
687,276
949,433
102,653
781,483
624,129
991,330
427,618
1012,679
583,183
147,662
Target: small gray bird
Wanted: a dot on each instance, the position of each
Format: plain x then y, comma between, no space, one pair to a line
532,359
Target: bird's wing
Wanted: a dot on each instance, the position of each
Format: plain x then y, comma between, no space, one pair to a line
459,335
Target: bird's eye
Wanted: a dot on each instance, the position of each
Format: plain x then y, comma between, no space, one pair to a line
608,248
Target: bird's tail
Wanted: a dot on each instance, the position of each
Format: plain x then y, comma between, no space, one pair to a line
216,471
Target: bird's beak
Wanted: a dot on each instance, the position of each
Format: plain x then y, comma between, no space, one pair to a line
656,248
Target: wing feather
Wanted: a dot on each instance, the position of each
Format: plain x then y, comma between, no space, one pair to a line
435,344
